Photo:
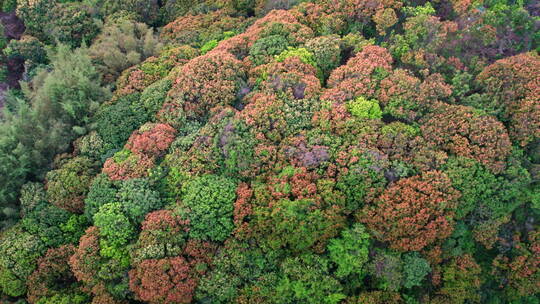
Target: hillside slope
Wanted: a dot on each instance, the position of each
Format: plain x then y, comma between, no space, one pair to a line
249,151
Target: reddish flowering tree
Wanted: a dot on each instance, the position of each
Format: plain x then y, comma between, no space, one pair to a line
139,77
395,90
243,210
131,81
172,114
199,253
98,275
237,45
294,183
163,281
291,77
102,296
402,142
294,210
525,121
461,6
264,114
323,19
163,234
195,29
140,152
405,96
184,29
464,132
52,275
360,10
356,77
86,257
333,16
164,220
333,117
420,208
127,165
423,39
377,297
519,273
300,153
151,139
171,279
433,88
270,120
167,266
511,79
85,264
487,232
384,19
207,81
512,85
287,22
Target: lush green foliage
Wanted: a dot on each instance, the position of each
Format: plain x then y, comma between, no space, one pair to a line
67,186
59,106
306,279
123,44
18,253
350,252
363,108
115,122
28,48
138,199
210,201
415,269
68,22
101,192
53,225
269,151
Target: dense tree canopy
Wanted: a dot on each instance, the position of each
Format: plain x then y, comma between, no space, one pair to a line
269,151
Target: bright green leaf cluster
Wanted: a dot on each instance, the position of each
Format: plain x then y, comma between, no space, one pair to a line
365,108
210,199
415,269
350,252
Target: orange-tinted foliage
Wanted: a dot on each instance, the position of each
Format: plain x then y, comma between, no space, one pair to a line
420,209
143,148
513,84
85,264
86,256
292,77
242,206
207,81
135,166
151,139
512,78
525,120
461,281
522,270
355,78
52,273
464,132
139,77
163,281
192,29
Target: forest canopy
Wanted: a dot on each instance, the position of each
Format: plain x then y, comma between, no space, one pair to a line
269,151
